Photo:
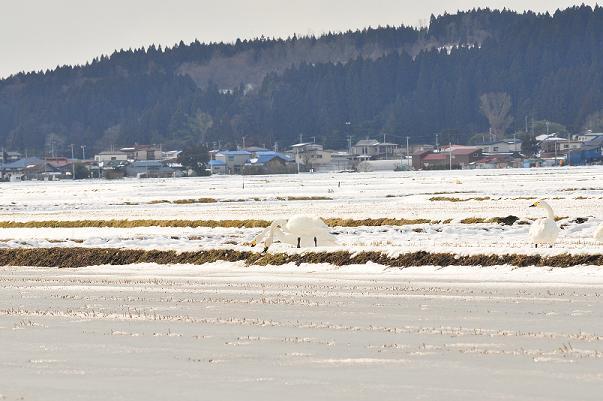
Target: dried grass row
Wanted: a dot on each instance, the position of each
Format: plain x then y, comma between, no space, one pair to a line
249,223
79,257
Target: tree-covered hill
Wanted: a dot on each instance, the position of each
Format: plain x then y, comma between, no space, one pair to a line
402,81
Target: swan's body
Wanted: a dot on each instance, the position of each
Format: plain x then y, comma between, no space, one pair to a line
300,231
599,233
544,231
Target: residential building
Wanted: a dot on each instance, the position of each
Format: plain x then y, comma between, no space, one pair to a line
588,136
503,146
234,160
456,157
498,160
554,146
30,168
269,162
365,147
151,169
586,155
9,157
373,149
217,167
340,161
110,155
143,152
310,155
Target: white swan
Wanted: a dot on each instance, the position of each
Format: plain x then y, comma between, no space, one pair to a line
545,230
599,233
300,231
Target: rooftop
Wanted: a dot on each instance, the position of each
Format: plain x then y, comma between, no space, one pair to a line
234,153
436,157
367,142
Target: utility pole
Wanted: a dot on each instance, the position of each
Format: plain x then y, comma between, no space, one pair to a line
437,140
407,150
450,154
301,138
243,142
349,144
72,163
526,124
83,152
313,139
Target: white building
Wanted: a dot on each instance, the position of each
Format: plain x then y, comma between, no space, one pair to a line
311,155
504,146
110,155
371,148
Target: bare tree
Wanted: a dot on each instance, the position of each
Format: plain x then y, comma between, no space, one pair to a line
496,107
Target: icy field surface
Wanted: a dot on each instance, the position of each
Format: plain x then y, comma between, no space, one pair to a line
225,332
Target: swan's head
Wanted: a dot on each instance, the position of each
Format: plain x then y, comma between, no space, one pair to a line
542,205
539,203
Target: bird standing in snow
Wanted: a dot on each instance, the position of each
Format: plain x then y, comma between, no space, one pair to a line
544,231
300,231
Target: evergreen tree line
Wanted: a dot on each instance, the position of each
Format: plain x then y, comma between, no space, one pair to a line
400,81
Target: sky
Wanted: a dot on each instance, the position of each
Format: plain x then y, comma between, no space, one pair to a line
41,34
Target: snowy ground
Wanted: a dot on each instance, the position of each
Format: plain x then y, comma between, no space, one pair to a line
577,191
227,332
573,193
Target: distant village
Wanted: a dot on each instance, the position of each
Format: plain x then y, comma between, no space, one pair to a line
366,155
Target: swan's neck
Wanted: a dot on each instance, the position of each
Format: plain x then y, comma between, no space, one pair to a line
549,210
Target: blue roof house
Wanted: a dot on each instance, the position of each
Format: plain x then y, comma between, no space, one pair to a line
233,159
270,162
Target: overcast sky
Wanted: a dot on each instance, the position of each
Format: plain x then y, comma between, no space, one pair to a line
40,34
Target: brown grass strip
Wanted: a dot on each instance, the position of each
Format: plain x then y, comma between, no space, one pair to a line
250,223
79,257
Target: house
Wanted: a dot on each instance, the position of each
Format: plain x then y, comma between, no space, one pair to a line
30,168
455,157
553,146
588,136
151,169
143,152
269,162
217,167
586,155
234,160
503,146
112,169
497,160
365,147
110,155
373,149
9,157
170,155
311,155
340,161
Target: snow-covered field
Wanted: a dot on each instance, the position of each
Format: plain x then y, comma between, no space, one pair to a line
226,332
309,332
573,193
